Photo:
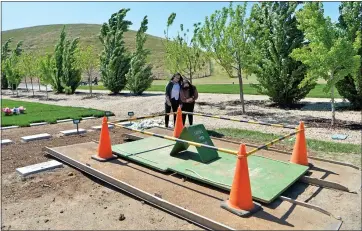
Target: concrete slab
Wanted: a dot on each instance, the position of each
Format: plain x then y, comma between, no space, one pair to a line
38,124
89,118
6,141
36,137
73,131
65,120
8,127
31,169
110,126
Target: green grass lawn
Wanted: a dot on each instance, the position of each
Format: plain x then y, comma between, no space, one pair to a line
317,92
221,79
38,112
343,152
259,137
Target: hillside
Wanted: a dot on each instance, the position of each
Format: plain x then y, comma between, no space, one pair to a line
43,39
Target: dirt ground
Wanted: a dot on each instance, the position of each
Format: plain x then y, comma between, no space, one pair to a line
65,198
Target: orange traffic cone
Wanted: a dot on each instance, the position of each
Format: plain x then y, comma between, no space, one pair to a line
240,201
178,125
104,147
299,155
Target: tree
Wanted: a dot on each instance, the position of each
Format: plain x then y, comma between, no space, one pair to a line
274,35
46,71
88,64
115,59
329,54
225,39
350,21
59,51
72,74
68,74
139,76
28,67
5,53
13,71
184,55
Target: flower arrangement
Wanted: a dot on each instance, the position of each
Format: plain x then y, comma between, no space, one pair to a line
14,111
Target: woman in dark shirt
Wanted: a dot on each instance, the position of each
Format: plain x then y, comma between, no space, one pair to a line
188,96
172,96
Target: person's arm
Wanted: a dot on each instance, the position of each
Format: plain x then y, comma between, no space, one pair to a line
168,94
196,94
182,96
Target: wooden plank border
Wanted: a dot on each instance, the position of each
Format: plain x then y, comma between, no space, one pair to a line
185,214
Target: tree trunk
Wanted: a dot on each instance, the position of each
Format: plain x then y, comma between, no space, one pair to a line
32,86
210,68
46,89
241,90
90,85
26,85
39,84
17,91
190,76
332,103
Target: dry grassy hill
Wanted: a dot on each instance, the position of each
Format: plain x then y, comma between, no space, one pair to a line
44,38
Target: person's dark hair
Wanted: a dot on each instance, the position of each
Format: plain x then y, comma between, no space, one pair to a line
191,87
174,75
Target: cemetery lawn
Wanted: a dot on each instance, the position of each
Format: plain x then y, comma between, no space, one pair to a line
39,112
316,92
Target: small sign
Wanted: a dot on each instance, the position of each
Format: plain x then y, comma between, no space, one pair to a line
130,113
108,113
76,122
339,137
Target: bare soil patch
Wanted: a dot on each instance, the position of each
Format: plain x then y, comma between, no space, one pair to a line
66,198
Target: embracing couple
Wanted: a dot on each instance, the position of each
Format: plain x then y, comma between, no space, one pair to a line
180,92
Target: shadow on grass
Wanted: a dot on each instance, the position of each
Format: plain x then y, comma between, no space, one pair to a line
215,134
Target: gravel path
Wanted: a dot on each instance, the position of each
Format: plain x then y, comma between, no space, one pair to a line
219,104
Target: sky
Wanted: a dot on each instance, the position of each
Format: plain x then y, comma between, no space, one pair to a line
27,14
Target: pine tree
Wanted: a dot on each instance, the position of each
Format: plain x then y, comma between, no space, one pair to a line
71,72
140,77
274,31
115,59
6,53
68,74
59,50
